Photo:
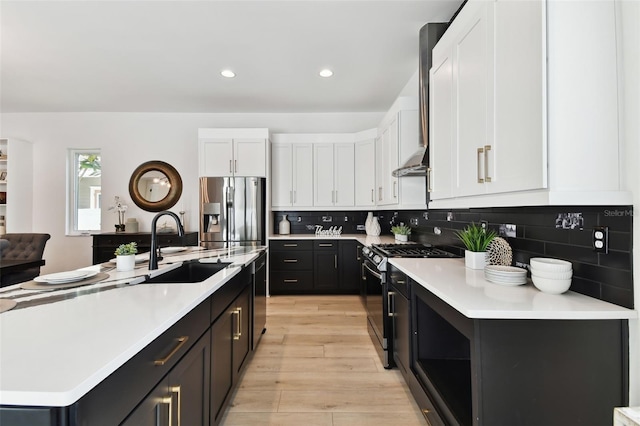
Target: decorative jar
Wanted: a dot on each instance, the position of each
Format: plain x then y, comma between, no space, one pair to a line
284,227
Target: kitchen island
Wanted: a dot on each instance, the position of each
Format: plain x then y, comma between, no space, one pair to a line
56,347
478,353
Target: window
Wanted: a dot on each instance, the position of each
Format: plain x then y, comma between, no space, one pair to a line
84,191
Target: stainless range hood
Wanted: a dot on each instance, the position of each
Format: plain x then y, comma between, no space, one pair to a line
418,163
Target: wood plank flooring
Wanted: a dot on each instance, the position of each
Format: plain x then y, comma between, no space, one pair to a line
316,365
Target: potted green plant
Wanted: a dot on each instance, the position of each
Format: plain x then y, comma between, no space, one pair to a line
475,239
126,257
401,232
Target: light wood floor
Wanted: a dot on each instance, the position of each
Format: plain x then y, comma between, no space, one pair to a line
316,365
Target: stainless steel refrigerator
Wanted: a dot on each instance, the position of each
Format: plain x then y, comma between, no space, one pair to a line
232,211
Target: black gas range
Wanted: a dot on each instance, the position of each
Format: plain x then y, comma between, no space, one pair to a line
375,291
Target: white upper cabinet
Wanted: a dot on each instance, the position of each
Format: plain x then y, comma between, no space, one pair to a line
334,174
398,140
365,172
441,121
519,110
233,152
291,175
388,162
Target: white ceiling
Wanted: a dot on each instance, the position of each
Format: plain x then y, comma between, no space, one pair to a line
166,56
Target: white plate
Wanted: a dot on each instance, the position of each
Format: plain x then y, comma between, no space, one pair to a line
65,277
505,270
139,258
168,250
502,281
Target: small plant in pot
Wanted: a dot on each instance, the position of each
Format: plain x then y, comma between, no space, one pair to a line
475,239
401,232
125,256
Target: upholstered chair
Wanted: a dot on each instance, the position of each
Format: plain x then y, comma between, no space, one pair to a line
27,246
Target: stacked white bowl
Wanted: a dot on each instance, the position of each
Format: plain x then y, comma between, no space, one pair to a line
551,275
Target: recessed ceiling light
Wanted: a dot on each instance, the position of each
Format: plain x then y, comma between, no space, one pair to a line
326,73
228,73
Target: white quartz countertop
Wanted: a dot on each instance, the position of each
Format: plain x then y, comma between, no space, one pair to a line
467,291
52,354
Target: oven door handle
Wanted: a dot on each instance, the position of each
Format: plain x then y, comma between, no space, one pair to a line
374,273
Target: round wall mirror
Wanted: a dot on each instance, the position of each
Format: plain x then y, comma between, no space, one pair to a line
155,186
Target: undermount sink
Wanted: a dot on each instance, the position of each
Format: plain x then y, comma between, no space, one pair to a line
189,272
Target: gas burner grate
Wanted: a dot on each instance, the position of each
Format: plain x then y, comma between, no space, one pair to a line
411,250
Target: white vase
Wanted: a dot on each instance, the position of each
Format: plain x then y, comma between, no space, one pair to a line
367,223
403,238
284,227
374,229
475,259
125,263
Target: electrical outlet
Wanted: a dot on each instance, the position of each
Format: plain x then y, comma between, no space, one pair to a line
346,218
327,219
413,221
425,215
484,224
601,239
437,230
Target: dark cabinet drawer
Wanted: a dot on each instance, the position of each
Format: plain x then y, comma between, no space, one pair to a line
291,245
291,260
325,245
291,281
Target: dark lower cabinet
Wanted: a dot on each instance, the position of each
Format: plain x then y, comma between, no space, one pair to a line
231,344
325,265
182,397
221,364
184,377
321,266
349,253
515,372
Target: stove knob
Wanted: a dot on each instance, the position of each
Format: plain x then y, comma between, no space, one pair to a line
365,250
377,258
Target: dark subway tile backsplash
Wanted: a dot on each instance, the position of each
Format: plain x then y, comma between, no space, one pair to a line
563,232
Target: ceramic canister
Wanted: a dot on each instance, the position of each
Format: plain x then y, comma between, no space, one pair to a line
284,227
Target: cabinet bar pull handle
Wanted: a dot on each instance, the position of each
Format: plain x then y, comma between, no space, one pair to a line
230,167
291,261
166,400
235,163
395,184
389,296
176,390
236,335
239,322
400,281
290,245
290,281
429,177
294,197
487,148
372,191
325,245
181,341
335,261
480,151
379,193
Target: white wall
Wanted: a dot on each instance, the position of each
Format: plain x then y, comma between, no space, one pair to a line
127,140
628,12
